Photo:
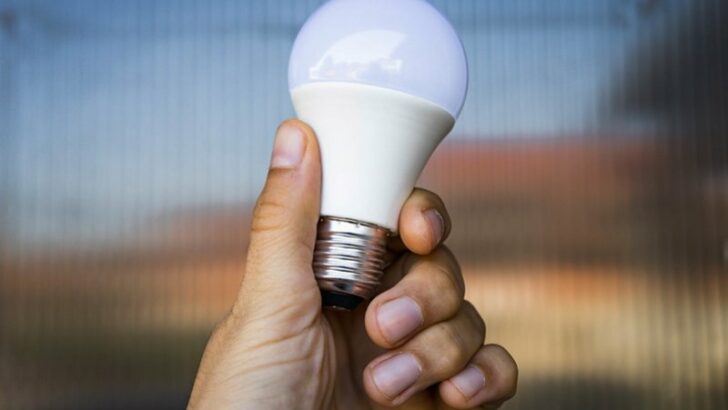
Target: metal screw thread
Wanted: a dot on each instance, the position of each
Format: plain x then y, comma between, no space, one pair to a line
350,256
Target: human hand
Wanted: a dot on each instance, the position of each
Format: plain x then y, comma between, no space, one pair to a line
418,344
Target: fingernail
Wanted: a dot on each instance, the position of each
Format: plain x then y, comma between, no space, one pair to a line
437,223
288,147
470,381
396,374
399,318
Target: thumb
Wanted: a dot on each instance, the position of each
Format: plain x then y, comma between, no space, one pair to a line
283,233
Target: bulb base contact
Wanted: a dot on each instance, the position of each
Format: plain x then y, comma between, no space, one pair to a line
349,260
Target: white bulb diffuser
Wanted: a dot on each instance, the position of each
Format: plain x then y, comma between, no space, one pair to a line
381,82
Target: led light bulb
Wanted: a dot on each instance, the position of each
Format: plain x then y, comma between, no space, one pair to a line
381,82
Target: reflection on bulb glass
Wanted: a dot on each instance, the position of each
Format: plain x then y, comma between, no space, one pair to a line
403,45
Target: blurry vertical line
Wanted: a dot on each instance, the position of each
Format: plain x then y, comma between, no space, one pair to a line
568,391
189,59
569,260
593,135
186,150
147,196
650,298
623,303
125,282
166,40
692,272
678,241
91,144
8,195
581,257
169,37
189,33
285,43
152,173
215,33
8,120
57,324
256,112
218,34
122,316
714,323
175,143
66,324
543,265
258,143
268,61
108,281
455,15
475,135
93,269
661,269
689,274
171,41
243,83
718,324
475,62
679,303
634,294
204,33
113,313
43,323
98,291
96,273
474,100
271,18
203,276
469,134
721,220
698,306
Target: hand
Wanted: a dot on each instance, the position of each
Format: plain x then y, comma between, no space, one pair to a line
418,344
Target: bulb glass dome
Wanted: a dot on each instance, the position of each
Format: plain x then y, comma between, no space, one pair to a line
401,45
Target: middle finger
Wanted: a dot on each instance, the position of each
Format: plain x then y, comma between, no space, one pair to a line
431,290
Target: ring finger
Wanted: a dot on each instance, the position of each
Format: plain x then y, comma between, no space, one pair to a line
435,354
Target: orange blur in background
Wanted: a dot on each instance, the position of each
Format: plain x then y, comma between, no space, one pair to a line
595,245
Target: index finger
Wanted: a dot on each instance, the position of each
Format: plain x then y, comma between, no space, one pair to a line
423,223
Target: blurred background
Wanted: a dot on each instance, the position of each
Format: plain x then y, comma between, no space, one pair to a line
587,180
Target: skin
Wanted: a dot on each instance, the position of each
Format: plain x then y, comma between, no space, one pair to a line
277,349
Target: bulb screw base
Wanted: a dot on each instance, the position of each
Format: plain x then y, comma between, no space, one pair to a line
348,261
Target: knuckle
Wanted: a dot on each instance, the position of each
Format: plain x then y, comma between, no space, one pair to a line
217,330
454,351
511,380
476,320
449,292
444,256
221,331
509,389
270,212
507,373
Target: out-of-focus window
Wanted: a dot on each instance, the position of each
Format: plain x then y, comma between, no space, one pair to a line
587,180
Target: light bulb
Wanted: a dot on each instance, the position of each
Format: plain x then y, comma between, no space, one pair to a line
381,82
